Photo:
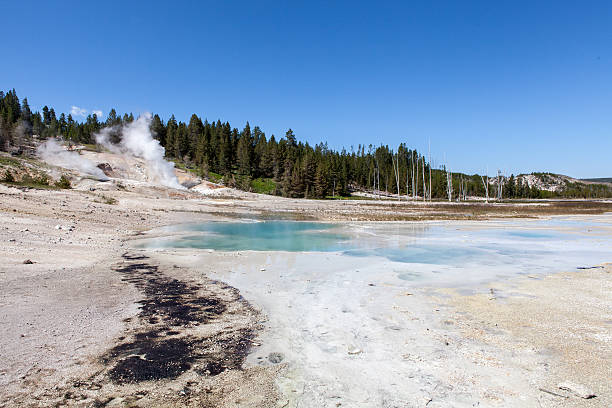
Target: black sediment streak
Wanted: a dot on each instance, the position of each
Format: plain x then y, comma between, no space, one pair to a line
161,347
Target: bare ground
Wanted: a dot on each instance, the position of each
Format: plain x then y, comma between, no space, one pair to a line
87,323
563,322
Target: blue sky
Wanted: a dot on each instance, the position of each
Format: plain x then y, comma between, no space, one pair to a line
520,86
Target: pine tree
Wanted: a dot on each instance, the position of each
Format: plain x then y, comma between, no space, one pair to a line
46,116
158,129
170,142
195,132
245,152
296,188
291,139
26,113
321,186
62,125
5,134
112,119
286,180
309,169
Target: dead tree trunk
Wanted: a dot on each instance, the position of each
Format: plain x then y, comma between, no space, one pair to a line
416,191
407,173
378,183
396,169
424,186
429,148
486,187
449,184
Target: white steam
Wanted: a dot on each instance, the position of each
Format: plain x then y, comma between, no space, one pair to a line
54,153
137,140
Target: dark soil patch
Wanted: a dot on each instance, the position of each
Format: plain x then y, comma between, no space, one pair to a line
151,359
173,302
160,348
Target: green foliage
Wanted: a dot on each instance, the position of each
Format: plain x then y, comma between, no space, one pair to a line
215,177
40,180
37,181
105,199
242,182
63,182
8,177
263,185
9,161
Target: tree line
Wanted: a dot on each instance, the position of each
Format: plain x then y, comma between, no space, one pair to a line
290,167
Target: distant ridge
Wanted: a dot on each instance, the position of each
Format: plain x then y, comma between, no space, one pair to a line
599,180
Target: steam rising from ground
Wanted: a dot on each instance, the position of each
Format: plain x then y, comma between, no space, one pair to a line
54,153
137,140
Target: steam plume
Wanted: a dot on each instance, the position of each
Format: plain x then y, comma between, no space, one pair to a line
54,153
137,141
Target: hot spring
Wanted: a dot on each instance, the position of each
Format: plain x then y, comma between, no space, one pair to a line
432,252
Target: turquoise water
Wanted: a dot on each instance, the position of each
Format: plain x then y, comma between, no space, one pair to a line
263,236
533,246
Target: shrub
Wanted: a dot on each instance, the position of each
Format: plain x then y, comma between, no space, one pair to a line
263,185
8,177
64,182
42,180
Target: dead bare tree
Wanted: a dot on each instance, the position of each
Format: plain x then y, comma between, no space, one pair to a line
376,191
429,149
414,184
463,193
449,184
407,173
374,181
378,183
396,170
424,186
417,179
486,186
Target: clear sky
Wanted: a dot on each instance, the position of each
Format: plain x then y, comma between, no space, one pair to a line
520,86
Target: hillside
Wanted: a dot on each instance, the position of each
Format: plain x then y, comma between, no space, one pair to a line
565,186
598,180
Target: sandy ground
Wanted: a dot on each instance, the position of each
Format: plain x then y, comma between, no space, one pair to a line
73,319
62,314
558,328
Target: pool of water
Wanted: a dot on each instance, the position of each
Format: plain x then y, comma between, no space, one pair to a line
291,236
524,246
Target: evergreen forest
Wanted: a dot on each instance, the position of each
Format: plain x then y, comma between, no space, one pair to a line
249,159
